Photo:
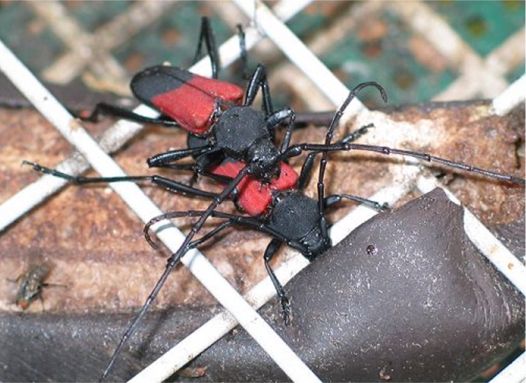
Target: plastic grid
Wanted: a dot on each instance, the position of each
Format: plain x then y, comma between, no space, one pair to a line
264,20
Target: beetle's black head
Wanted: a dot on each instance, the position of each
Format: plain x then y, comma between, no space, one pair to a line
316,243
263,158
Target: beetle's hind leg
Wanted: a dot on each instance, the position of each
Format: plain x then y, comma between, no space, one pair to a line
103,109
206,34
270,251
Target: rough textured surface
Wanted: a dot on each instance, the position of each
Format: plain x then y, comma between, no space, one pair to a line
361,313
398,309
95,245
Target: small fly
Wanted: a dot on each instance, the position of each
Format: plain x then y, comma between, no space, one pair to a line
30,285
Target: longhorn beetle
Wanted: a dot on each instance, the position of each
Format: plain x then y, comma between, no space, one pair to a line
239,134
236,132
292,218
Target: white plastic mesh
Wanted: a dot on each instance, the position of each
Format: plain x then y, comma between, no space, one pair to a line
270,23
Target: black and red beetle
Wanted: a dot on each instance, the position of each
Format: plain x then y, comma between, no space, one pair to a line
224,135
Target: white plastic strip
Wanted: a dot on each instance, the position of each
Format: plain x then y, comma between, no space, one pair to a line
116,136
513,373
299,54
33,194
277,349
511,97
485,241
213,330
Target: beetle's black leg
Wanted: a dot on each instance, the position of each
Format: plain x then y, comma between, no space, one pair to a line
206,160
116,111
210,234
166,158
243,51
306,171
193,179
189,166
270,251
259,80
335,198
180,188
206,34
161,181
353,136
277,118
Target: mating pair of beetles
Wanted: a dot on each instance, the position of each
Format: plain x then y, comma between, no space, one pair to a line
234,143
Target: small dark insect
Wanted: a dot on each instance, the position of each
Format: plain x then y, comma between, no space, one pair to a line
30,285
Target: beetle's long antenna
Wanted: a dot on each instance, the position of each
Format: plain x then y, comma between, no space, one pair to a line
344,145
429,158
172,262
330,131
